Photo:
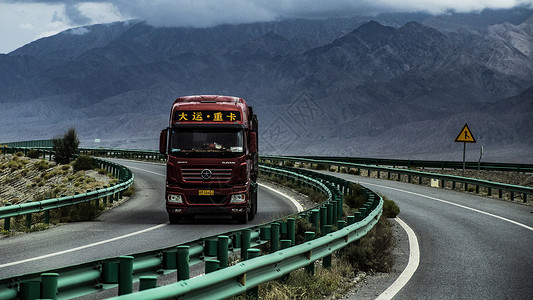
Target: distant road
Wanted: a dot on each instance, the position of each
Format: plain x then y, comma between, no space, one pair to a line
140,224
471,247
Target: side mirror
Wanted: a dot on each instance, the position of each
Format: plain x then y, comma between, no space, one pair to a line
163,141
252,142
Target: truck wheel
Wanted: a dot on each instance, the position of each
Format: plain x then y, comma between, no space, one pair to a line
242,218
174,219
253,208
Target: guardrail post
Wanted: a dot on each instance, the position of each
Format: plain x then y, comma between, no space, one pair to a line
315,217
284,245
169,259
28,221
182,259
329,209
291,230
7,221
265,233
512,196
489,191
334,210
253,293
213,264
500,193
125,275
350,220
357,216
147,282
310,268
326,261
110,272
49,285
246,235
47,217
323,218
30,290
525,198
222,250
274,241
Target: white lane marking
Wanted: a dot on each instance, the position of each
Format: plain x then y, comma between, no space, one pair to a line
298,207
412,265
455,204
82,247
155,173
294,201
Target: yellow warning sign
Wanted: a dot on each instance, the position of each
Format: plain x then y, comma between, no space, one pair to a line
465,135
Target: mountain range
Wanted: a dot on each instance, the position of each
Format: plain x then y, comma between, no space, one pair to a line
397,85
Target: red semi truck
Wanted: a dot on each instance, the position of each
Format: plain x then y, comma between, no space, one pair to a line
212,161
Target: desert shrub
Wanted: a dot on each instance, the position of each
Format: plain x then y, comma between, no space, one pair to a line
353,172
355,198
373,251
321,167
84,162
130,191
82,212
302,225
65,147
390,208
41,165
33,153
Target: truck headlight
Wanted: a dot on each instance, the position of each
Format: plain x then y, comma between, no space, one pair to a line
238,198
171,198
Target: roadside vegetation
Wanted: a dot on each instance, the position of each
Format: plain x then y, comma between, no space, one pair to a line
370,254
28,179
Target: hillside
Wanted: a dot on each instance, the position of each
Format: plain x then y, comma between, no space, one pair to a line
340,87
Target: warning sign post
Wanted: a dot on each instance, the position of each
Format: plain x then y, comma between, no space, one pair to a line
465,136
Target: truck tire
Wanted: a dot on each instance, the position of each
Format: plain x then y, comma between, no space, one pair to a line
253,207
174,219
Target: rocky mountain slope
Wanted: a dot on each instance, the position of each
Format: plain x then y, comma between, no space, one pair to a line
339,87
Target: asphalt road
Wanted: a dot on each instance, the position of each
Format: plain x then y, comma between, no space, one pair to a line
138,225
471,247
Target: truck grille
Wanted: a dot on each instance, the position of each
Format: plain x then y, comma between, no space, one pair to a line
206,175
218,199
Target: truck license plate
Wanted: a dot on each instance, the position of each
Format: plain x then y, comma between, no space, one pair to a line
206,192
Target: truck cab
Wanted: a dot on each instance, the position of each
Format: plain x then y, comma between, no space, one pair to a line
211,148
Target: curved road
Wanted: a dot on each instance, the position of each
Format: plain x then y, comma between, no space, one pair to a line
138,225
471,247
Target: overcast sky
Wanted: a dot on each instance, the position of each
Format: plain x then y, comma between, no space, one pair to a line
23,21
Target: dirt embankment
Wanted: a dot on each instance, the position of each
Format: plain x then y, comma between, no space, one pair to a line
24,179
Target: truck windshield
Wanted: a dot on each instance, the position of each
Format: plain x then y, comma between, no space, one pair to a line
207,142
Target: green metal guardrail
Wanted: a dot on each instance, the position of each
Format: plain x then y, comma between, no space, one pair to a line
146,154
492,166
107,194
410,174
213,251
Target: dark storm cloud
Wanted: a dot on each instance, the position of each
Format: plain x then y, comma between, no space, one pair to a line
201,13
